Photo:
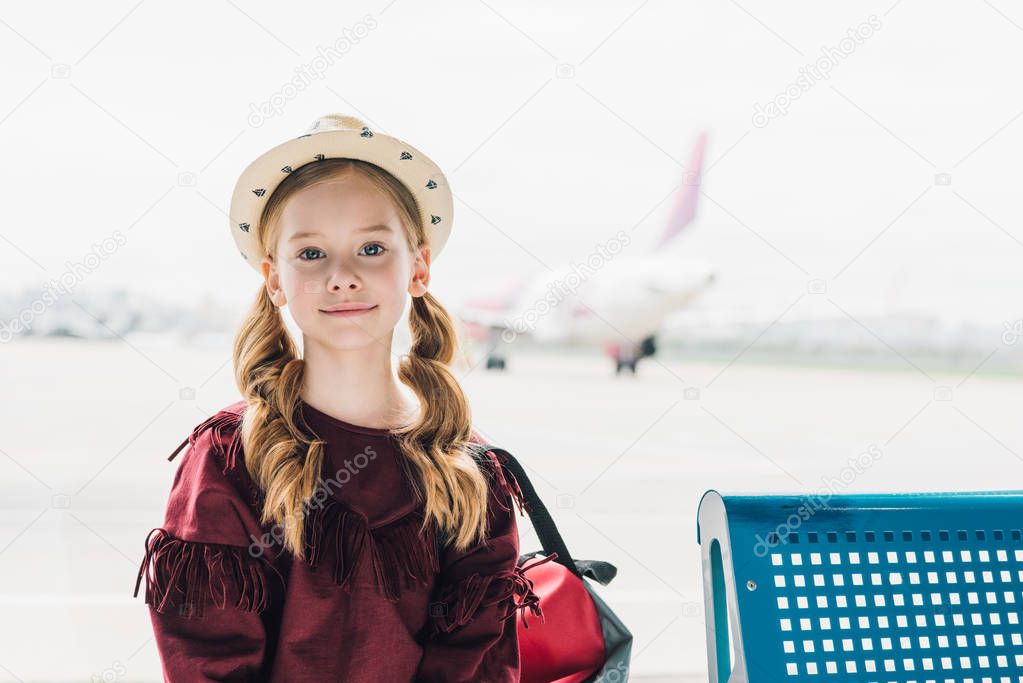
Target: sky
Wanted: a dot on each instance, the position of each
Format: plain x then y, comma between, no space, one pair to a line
871,146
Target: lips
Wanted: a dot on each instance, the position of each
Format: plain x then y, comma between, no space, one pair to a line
348,310
348,306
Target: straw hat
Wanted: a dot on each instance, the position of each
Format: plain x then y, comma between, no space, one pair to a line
340,136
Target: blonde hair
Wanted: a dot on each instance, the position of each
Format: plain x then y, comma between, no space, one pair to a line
284,458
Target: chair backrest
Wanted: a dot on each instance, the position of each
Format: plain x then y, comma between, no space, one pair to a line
893,588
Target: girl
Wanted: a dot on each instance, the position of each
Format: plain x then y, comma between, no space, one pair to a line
324,527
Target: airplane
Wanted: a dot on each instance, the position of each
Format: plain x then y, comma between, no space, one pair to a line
620,306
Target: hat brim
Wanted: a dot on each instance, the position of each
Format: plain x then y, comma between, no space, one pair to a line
414,169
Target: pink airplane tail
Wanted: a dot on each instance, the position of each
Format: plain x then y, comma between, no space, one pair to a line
687,196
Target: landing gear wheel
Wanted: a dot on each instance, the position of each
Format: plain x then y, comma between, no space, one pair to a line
630,364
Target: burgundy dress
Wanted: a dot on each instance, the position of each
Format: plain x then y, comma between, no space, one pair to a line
373,601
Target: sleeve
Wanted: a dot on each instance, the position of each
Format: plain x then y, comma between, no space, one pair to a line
474,633
208,586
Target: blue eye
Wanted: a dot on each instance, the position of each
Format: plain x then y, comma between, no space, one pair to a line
375,244
304,251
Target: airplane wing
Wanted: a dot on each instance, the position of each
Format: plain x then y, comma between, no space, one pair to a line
493,309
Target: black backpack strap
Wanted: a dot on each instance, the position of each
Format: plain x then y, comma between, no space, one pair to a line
543,523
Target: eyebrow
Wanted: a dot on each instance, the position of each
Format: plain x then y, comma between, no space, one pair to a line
369,228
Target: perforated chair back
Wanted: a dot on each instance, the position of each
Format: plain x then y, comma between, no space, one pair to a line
893,588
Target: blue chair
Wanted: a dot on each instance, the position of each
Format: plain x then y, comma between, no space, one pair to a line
898,588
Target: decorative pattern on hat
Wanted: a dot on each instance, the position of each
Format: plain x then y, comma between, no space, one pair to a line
340,136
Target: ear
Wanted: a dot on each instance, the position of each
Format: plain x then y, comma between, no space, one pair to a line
273,283
420,280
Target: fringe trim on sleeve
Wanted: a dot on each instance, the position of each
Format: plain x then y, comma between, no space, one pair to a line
459,602
225,445
190,576
506,484
224,425
399,554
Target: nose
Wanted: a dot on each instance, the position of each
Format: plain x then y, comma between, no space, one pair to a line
344,278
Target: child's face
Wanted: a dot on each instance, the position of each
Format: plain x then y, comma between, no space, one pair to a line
342,262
